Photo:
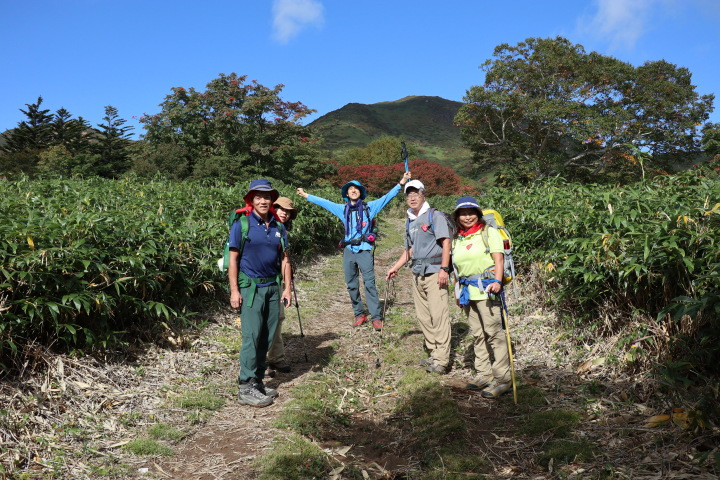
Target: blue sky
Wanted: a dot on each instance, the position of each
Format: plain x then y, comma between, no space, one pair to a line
85,54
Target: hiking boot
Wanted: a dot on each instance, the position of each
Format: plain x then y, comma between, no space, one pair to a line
426,362
479,383
267,391
280,366
496,389
435,368
377,324
359,320
249,395
269,372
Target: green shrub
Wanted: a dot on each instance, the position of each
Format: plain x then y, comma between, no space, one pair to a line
87,264
611,254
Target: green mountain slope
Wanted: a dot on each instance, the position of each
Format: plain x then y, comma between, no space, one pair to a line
426,122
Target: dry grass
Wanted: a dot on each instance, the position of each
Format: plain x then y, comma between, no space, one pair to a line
71,417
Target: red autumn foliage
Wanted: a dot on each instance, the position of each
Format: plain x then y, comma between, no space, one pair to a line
378,179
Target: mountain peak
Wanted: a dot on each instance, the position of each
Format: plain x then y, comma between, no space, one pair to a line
426,121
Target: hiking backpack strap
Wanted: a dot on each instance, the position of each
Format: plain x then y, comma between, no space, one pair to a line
486,241
484,235
430,219
283,234
369,227
244,227
509,264
241,215
407,241
243,279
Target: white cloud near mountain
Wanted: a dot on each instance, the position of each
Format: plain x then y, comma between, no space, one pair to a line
290,17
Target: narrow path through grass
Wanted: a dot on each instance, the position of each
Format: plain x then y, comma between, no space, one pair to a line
361,407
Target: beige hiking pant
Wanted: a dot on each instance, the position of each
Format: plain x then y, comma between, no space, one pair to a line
276,353
484,317
431,308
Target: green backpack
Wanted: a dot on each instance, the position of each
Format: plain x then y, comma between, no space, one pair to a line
241,216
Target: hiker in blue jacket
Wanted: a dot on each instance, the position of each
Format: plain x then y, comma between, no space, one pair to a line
358,256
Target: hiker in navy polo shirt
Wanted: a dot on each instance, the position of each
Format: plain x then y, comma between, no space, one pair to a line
357,217
255,277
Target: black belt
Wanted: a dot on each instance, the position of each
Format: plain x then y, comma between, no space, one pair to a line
356,241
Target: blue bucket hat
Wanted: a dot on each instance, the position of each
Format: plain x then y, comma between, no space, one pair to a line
466,202
353,183
260,185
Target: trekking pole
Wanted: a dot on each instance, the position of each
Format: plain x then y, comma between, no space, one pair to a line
405,156
385,302
504,314
297,307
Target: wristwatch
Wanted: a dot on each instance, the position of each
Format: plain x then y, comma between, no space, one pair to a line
447,269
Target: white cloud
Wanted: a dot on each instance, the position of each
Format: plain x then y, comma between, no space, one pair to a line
622,22
290,17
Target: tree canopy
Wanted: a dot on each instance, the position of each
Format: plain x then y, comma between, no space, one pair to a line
385,150
711,138
58,144
34,133
236,127
548,106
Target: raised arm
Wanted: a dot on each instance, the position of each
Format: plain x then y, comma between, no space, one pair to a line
379,204
336,209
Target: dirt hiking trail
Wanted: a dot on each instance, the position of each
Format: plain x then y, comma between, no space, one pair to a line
577,417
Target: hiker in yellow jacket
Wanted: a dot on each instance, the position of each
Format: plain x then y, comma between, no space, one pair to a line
478,254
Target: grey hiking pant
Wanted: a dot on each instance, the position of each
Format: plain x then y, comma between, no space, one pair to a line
353,264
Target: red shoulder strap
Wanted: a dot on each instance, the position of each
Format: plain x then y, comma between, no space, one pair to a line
246,209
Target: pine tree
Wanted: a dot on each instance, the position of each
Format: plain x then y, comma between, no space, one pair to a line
70,133
113,143
33,134
61,127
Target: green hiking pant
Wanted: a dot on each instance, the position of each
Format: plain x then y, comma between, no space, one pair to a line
258,322
276,353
